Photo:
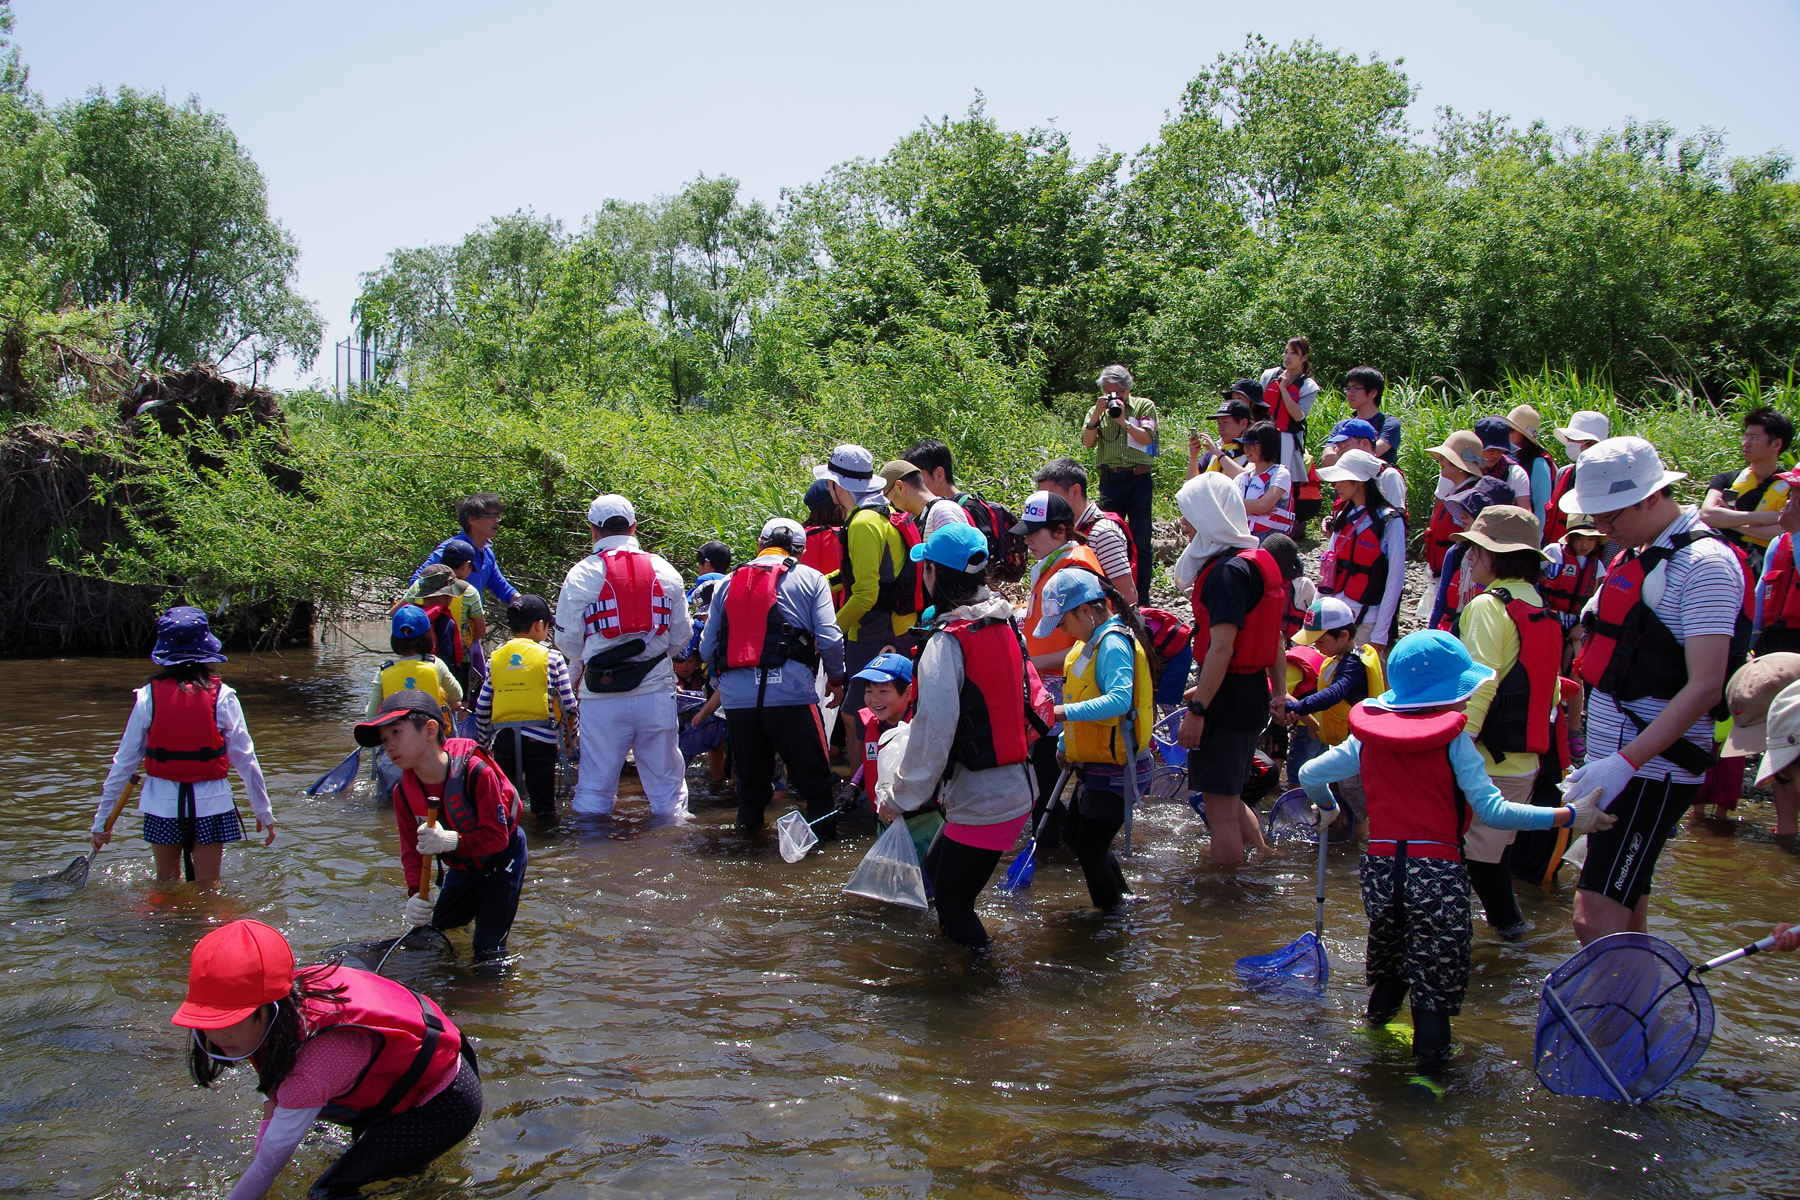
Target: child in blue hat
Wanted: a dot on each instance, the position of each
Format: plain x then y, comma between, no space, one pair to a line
887,707
1423,778
186,732
415,666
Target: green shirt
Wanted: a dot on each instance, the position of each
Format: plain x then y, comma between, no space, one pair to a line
1113,449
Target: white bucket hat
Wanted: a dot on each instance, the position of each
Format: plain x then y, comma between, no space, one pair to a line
851,468
1584,426
1352,464
1783,734
1616,474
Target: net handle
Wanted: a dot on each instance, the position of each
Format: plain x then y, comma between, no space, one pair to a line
1319,912
1568,1019
1756,947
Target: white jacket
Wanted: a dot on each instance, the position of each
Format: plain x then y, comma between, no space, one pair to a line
581,589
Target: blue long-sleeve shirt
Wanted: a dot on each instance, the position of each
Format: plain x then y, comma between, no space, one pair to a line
1345,760
486,576
1350,681
805,600
1542,481
1114,670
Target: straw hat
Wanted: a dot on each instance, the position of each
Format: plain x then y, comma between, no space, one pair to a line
1525,419
1502,529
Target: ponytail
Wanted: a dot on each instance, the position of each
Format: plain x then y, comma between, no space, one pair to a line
1129,615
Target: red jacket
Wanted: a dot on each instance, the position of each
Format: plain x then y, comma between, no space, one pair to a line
490,836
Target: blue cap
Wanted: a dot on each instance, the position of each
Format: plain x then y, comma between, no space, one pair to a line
1351,427
410,621
958,546
183,636
1430,668
887,668
456,552
1495,434
1069,588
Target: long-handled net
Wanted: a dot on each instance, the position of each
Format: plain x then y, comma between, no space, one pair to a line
1624,1017
1302,964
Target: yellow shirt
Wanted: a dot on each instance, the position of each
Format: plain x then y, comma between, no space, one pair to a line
1493,641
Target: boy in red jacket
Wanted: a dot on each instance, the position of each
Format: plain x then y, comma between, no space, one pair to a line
453,801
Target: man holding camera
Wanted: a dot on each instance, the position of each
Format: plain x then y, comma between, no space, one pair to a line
1123,430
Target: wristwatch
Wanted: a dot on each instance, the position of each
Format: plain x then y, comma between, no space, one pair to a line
1197,708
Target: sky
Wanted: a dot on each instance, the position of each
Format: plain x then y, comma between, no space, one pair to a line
383,124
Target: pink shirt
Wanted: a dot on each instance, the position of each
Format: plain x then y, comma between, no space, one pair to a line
1001,837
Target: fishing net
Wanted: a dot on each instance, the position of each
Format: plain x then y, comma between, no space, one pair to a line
1302,965
795,835
697,737
1622,1019
53,887
1171,751
1291,820
339,777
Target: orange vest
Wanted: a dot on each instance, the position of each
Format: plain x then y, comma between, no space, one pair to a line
1058,642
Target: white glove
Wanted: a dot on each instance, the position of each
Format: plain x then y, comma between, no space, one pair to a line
435,839
1607,776
416,911
1305,593
1589,816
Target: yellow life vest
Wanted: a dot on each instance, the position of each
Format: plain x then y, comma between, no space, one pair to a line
1098,741
1773,497
519,673
1334,722
418,674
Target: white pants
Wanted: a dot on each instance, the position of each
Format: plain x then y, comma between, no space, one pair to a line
643,724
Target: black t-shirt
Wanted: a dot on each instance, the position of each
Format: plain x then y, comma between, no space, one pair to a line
1232,589
1722,483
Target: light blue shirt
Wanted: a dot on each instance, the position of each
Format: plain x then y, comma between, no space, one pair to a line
1542,481
805,600
1114,669
1345,760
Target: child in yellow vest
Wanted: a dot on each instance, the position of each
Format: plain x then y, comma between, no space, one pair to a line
528,689
1107,677
414,667
1349,676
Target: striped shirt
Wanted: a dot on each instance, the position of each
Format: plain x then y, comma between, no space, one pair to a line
1697,593
556,672
1107,539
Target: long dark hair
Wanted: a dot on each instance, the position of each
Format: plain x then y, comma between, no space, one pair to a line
276,1057
952,588
193,676
1528,452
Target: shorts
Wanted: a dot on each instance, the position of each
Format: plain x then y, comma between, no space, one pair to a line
1484,844
1220,764
208,831
1621,860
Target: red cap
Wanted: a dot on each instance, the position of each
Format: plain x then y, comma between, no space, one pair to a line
235,970
1792,476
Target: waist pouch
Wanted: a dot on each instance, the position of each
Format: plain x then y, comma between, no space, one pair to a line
609,672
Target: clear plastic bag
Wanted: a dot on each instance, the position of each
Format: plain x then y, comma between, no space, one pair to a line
890,870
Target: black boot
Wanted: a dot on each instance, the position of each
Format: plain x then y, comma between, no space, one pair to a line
1493,884
1385,999
1431,1039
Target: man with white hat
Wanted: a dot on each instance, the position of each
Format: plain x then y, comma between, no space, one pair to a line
1585,428
771,626
1660,635
876,577
619,612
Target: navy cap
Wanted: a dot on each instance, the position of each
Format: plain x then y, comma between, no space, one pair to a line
456,552
398,707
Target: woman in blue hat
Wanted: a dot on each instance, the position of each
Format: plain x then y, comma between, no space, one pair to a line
186,731
1423,778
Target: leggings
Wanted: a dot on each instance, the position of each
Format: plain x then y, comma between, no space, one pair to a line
405,1143
1493,884
958,873
1089,829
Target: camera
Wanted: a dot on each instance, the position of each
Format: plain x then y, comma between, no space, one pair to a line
1115,408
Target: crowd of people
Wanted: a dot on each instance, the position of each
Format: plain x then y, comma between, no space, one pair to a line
1584,636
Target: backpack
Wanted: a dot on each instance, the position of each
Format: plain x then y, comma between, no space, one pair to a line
909,585
1008,559
447,633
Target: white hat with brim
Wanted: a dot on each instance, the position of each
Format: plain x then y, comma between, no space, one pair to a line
1783,729
1584,428
1357,465
1616,474
795,530
852,468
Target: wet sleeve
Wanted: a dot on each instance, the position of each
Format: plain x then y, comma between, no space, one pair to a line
239,747
1479,790
1342,761
128,758
275,1145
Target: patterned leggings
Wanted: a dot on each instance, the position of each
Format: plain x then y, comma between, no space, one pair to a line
1421,943
405,1143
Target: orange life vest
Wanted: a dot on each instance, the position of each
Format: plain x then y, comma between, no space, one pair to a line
1056,641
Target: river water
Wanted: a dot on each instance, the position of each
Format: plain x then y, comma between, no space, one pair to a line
691,1016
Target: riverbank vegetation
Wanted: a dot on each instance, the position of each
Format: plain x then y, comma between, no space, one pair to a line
698,350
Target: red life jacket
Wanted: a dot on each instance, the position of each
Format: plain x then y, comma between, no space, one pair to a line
415,1042
1412,794
1781,599
1272,397
756,632
871,735
1629,653
446,632
1169,634
1310,488
824,553
1574,581
1359,569
184,744
467,762
1293,617
1102,514
631,598
1309,662
1437,537
997,721
1519,717
1258,643
1556,521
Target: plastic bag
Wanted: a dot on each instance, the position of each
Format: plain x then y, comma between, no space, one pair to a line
890,870
795,835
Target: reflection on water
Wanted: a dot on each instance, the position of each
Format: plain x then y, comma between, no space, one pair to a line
691,1016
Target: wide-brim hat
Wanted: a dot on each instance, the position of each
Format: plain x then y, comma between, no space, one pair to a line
436,580
852,468
1749,694
1495,433
183,636
1525,419
1357,465
1783,733
1429,669
1502,529
1462,450
1584,427
1581,525
1616,474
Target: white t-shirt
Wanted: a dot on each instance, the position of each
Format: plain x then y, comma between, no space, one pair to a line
942,512
1291,449
1697,593
1393,488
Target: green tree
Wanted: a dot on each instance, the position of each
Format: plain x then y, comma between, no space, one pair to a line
189,239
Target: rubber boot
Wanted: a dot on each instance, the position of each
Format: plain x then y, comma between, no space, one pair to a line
1493,884
1431,1039
1385,999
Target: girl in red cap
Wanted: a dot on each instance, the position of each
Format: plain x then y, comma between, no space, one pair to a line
328,1042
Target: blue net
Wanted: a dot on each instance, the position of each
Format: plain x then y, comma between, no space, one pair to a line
1621,1019
1301,965
338,778
1168,749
